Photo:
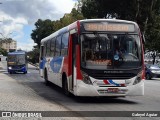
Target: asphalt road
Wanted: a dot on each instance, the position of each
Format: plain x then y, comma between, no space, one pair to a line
27,92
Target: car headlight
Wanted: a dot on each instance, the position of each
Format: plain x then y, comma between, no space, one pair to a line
153,71
86,78
9,68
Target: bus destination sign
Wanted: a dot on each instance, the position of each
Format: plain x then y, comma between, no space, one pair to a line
109,27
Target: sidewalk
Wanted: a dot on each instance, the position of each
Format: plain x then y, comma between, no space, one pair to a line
1,67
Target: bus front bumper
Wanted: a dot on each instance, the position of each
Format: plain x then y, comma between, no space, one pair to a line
22,69
83,89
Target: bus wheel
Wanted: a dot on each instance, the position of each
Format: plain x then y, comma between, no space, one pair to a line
46,78
66,92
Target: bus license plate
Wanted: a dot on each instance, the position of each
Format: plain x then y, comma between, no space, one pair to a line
113,90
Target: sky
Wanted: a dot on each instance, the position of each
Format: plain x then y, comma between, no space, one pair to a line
17,17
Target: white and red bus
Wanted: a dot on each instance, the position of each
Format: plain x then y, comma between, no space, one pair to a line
95,57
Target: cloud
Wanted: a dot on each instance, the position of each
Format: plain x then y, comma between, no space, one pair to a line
32,10
28,46
15,14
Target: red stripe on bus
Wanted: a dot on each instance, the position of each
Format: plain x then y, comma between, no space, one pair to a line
78,25
70,56
123,85
143,66
78,71
65,65
106,82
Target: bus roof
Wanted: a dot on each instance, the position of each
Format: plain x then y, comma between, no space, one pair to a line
74,25
17,53
108,20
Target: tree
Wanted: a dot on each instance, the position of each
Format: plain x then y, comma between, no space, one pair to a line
68,19
33,55
46,27
6,41
145,12
3,52
42,30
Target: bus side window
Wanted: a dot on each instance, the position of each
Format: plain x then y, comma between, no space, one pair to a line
58,46
64,48
41,52
44,51
48,48
53,46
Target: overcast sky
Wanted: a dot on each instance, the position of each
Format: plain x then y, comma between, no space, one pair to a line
18,17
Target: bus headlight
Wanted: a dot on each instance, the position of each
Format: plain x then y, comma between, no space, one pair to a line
138,78
86,78
9,68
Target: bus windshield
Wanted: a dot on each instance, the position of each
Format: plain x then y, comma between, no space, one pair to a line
110,51
16,59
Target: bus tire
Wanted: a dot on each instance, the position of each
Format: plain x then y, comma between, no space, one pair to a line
46,78
65,86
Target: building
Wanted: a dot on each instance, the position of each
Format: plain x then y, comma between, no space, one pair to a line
9,46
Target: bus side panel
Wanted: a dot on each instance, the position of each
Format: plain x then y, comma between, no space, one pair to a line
54,70
65,67
42,66
67,64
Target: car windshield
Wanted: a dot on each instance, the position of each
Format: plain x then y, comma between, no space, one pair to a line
154,67
110,51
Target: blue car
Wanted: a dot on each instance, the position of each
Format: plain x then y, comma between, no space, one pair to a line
152,71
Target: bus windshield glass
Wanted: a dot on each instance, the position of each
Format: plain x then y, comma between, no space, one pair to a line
16,59
110,51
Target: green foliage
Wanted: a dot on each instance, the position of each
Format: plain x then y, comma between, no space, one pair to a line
68,19
4,40
145,12
153,35
3,52
33,56
43,28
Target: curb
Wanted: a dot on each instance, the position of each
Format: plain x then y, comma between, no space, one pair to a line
2,71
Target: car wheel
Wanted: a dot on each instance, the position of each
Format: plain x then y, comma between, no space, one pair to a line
148,77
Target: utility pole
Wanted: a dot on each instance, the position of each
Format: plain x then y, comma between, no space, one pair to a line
0,3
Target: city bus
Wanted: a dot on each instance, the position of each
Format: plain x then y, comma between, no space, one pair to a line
95,57
17,62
